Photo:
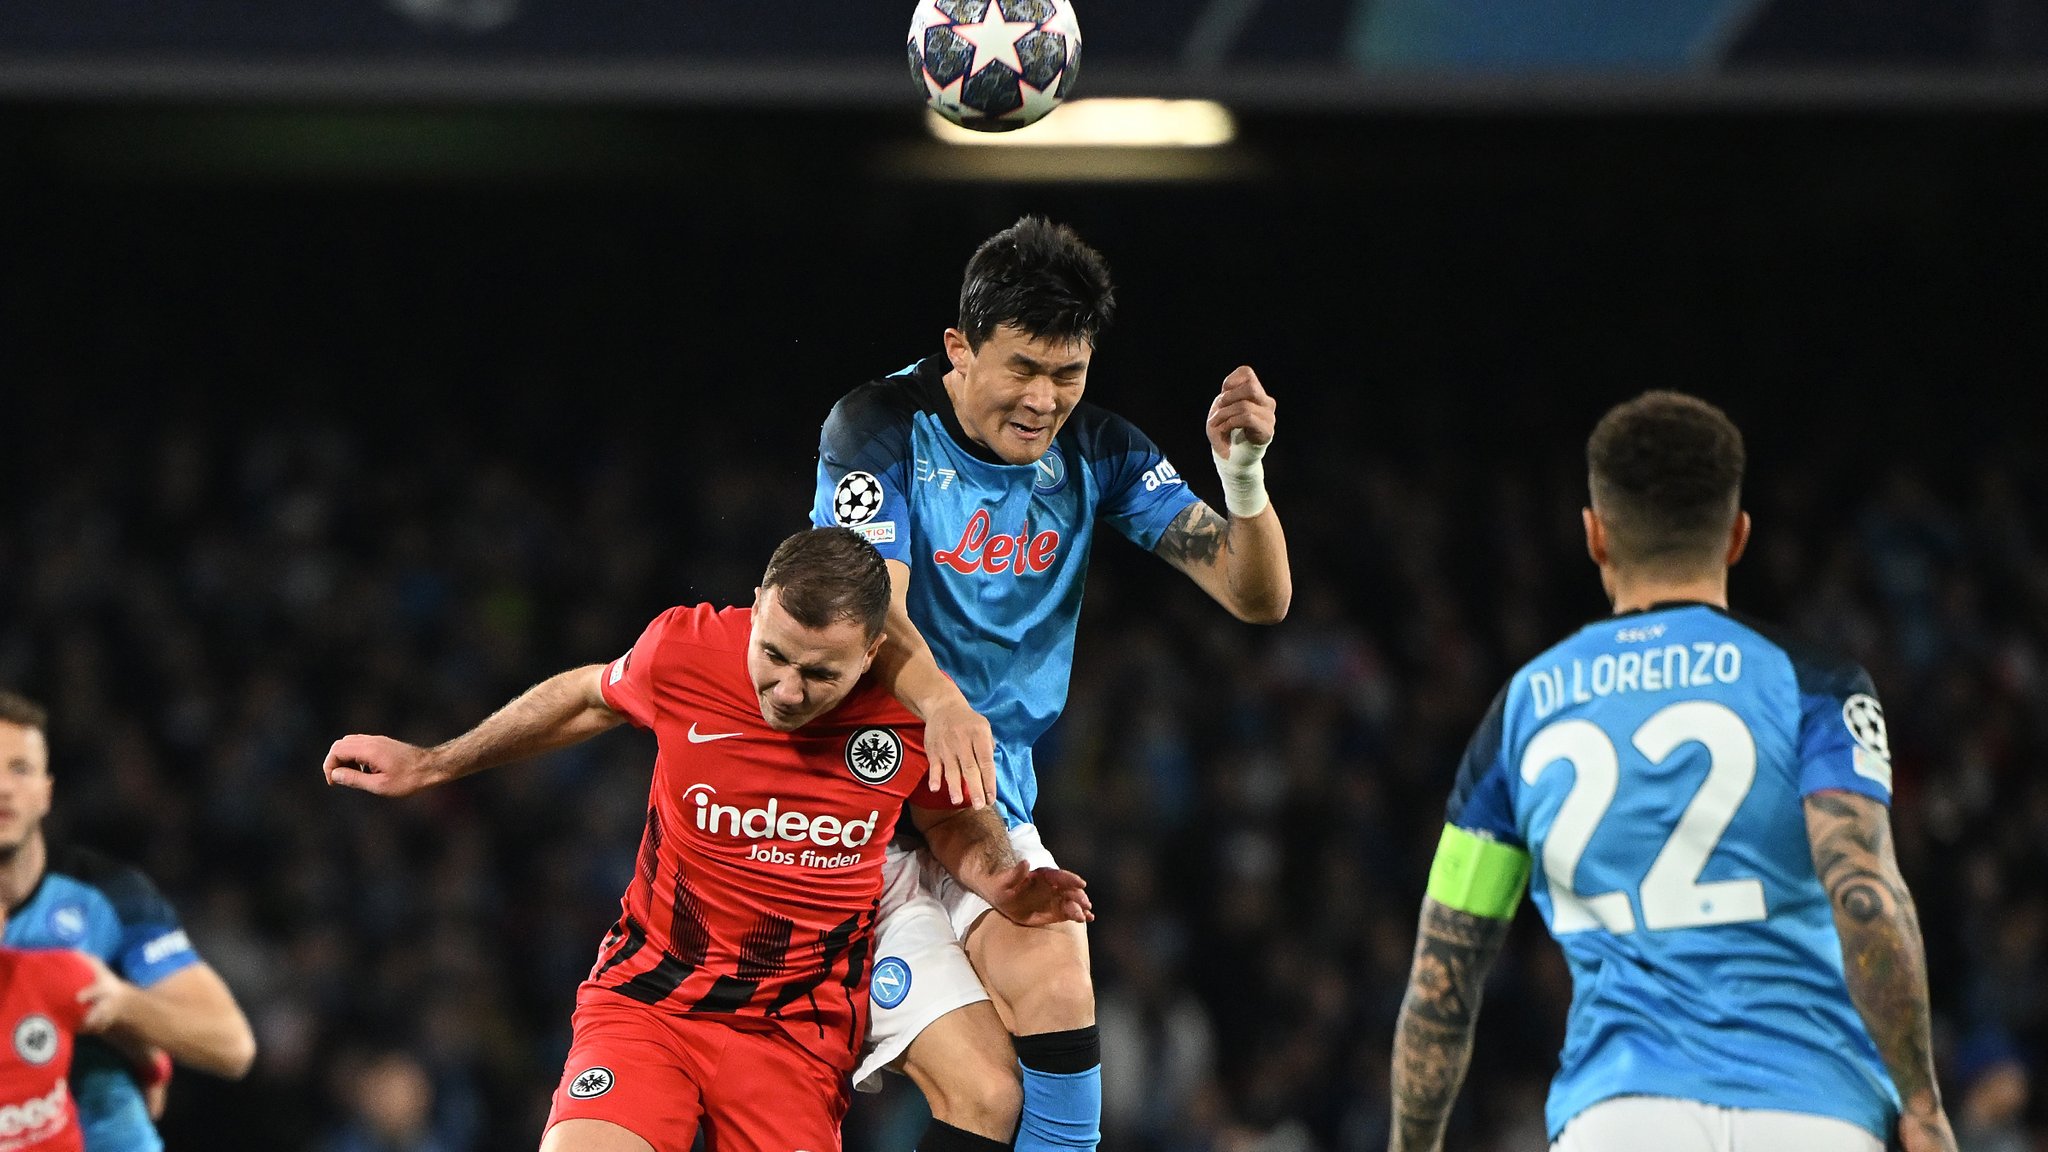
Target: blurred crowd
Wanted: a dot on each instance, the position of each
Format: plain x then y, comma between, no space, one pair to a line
206,607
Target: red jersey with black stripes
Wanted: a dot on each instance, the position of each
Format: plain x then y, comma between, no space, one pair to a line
39,1008
761,861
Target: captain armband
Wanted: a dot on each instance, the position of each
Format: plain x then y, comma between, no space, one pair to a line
1476,875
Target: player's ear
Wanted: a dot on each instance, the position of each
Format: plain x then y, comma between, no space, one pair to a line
874,648
958,350
1596,536
1738,538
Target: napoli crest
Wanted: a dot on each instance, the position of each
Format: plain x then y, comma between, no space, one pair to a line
890,983
1050,473
67,923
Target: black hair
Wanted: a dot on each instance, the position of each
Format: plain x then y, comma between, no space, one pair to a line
828,574
1040,277
1665,471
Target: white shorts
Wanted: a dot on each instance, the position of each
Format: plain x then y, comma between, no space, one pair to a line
921,970
1635,1123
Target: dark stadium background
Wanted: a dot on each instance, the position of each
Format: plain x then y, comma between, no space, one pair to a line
332,412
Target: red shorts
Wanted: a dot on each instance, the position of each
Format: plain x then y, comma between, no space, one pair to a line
659,1076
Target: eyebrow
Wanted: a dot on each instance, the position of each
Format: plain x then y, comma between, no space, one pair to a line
802,669
1020,360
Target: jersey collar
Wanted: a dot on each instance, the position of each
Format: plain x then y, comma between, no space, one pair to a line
1663,605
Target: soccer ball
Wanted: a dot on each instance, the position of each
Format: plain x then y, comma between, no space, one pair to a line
994,65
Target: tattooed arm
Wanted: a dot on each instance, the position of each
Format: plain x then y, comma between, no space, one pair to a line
1882,956
1241,561
1433,1040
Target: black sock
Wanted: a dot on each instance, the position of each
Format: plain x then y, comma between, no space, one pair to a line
943,1137
1061,1053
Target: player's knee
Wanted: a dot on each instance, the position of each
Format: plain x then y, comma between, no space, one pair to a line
982,1093
1061,997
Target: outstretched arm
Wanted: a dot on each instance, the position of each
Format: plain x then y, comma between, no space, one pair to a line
190,1014
1241,561
1883,959
555,713
958,740
973,845
1454,951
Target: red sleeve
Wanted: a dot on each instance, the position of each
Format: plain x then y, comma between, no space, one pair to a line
922,793
628,682
65,975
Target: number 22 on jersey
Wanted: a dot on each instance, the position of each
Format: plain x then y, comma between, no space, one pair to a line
1671,895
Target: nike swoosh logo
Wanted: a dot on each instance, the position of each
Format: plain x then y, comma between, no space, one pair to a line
708,737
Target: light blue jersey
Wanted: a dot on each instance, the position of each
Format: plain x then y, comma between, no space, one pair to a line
1653,765
92,904
997,552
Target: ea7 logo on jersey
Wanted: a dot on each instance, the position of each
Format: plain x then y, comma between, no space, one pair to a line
856,499
590,1082
1163,476
35,1039
1872,758
873,755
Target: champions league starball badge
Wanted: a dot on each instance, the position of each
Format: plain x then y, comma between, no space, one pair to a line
856,499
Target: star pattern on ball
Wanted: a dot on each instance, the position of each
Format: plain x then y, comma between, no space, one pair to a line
994,38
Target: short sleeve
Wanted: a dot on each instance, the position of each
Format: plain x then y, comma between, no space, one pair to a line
1141,490
628,682
864,470
68,975
152,942
922,793
1480,801
1842,741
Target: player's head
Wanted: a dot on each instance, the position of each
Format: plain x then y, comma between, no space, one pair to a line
24,771
818,618
1034,299
1665,471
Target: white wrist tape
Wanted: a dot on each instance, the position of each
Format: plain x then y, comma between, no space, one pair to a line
1243,475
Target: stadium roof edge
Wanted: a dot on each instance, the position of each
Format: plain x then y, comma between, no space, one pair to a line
687,83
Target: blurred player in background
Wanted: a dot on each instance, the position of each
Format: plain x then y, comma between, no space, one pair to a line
73,898
1704,807
732,993
980,475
